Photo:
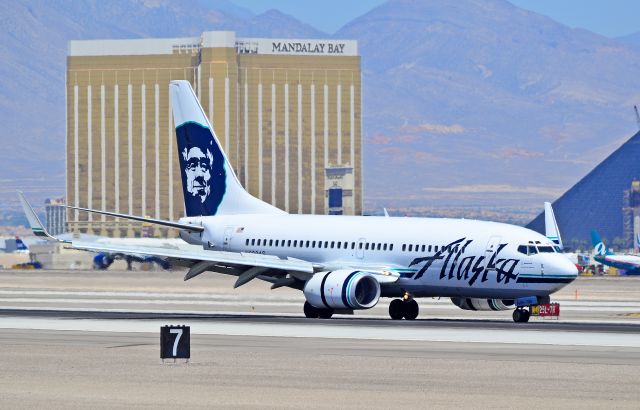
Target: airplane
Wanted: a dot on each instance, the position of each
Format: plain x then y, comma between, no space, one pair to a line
342,263
629,263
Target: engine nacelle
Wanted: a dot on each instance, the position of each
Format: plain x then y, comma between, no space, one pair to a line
102,261
483,304
342,289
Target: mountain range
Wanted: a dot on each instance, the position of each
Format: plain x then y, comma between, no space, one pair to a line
472,102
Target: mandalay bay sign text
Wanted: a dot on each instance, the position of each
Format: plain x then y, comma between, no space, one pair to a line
297,47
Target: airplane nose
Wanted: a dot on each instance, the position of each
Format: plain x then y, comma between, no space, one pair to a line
565,268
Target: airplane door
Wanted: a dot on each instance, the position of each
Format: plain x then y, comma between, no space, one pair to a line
492,246
360,248
228,233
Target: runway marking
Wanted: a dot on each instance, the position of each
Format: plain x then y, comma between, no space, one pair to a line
330,331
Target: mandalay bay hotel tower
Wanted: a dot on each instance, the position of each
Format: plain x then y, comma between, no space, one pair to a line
287,113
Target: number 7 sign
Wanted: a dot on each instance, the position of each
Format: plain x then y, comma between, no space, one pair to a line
175,342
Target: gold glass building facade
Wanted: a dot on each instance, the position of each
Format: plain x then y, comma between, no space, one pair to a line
284,111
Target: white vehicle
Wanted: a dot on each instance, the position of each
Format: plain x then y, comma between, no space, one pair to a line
344,263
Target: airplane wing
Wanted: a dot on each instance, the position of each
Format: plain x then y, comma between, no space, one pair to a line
247,266
194,256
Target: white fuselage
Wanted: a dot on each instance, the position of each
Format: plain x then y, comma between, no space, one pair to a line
435,257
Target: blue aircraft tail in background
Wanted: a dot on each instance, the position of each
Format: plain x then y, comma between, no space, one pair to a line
599,246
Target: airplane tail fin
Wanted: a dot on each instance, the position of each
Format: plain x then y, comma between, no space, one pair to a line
20,245
599,246
209,184
551,226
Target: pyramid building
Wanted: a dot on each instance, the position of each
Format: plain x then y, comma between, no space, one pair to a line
598,200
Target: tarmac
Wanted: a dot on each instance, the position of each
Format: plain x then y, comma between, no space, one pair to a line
91,339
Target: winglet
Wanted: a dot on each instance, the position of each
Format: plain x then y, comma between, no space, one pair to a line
551,226
34,222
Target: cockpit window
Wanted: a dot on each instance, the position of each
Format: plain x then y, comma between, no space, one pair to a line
527,250
545,249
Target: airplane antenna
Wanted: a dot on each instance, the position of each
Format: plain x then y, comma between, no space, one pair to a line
635,108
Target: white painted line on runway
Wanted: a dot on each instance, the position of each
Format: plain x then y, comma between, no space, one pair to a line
513,336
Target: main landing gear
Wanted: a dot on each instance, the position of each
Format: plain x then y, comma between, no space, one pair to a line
521,315
406,308
313,312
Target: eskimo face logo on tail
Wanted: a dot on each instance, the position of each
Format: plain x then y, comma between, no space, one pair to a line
198,171
202,168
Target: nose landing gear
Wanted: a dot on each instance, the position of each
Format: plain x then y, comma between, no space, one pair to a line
406,308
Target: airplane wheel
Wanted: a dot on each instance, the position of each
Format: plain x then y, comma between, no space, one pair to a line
521,316
396,309
311,311
411,309
325,313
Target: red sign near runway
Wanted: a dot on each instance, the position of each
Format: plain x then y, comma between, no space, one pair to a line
546,310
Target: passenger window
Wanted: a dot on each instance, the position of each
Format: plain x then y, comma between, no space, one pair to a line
391,247
353,245
366,246
410,248
429,248
295,243
379,245
326,244
307,244
339,243
417,248
259,242
384,247
360,245
270,242
289,243
246,242
435,247
253,242
313,244
332,244
346,245
404,247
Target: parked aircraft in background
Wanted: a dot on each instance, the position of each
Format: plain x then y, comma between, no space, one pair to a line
551,226
628,263
342,263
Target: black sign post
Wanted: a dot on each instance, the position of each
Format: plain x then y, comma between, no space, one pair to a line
175,342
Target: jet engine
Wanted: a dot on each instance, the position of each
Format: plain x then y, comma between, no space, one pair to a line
483,304
102,261
342,289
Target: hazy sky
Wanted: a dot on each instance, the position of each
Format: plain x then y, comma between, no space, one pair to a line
611,18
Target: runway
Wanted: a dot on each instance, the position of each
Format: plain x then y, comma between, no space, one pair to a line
90,339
